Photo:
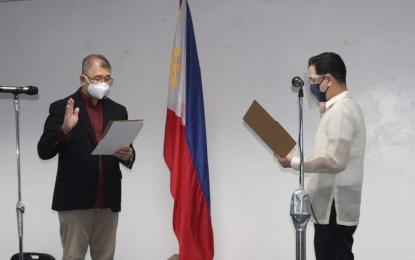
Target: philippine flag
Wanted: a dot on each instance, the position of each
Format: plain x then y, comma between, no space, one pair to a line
185,150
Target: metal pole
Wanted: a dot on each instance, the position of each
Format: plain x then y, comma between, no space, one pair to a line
300,214
20,208
300,209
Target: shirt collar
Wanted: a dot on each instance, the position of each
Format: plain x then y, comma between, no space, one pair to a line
336,98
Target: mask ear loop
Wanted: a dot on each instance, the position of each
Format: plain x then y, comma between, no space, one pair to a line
328,86
324,93
83,83
86,77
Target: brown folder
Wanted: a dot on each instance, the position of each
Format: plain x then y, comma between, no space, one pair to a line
269,130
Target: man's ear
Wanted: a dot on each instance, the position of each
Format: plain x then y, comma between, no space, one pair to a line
82,79
330,79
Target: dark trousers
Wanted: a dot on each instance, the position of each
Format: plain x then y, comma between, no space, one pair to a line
332,241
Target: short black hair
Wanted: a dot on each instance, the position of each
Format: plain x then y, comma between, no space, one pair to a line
329,63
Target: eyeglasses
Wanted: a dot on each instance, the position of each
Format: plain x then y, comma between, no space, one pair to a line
313,79
96,79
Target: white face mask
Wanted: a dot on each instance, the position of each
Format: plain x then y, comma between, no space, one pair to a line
99,90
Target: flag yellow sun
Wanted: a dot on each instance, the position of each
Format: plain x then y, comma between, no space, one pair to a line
175,67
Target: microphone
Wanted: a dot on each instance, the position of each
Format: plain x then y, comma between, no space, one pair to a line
29,90
297,82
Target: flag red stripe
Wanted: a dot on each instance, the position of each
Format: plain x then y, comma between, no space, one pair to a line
191,216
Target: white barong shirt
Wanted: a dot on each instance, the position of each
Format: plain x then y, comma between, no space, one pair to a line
337,161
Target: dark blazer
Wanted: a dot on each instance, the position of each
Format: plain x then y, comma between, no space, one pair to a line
76,179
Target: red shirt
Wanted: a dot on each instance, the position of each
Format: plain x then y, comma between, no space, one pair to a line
96,115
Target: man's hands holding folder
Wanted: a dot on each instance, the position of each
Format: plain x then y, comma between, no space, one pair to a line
284,161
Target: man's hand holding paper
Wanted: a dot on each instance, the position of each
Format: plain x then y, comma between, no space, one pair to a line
123,153
284,161
117,137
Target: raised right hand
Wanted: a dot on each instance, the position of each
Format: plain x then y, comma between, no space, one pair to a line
71,116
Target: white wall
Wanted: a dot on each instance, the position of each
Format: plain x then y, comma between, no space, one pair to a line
247,50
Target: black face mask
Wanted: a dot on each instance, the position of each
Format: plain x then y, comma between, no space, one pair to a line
315,89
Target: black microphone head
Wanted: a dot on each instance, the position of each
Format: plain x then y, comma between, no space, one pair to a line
297,82
32,90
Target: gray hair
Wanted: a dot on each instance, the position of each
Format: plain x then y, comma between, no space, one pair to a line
87,62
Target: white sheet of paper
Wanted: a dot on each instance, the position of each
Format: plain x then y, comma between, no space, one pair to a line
120,134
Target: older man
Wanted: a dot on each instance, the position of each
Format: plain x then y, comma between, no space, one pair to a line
87,191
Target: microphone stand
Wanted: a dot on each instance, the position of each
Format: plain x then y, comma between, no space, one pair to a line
300,209
20,208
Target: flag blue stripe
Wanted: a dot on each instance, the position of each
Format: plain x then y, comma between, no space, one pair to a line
195,115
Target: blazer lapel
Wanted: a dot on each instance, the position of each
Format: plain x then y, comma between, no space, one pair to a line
83,116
